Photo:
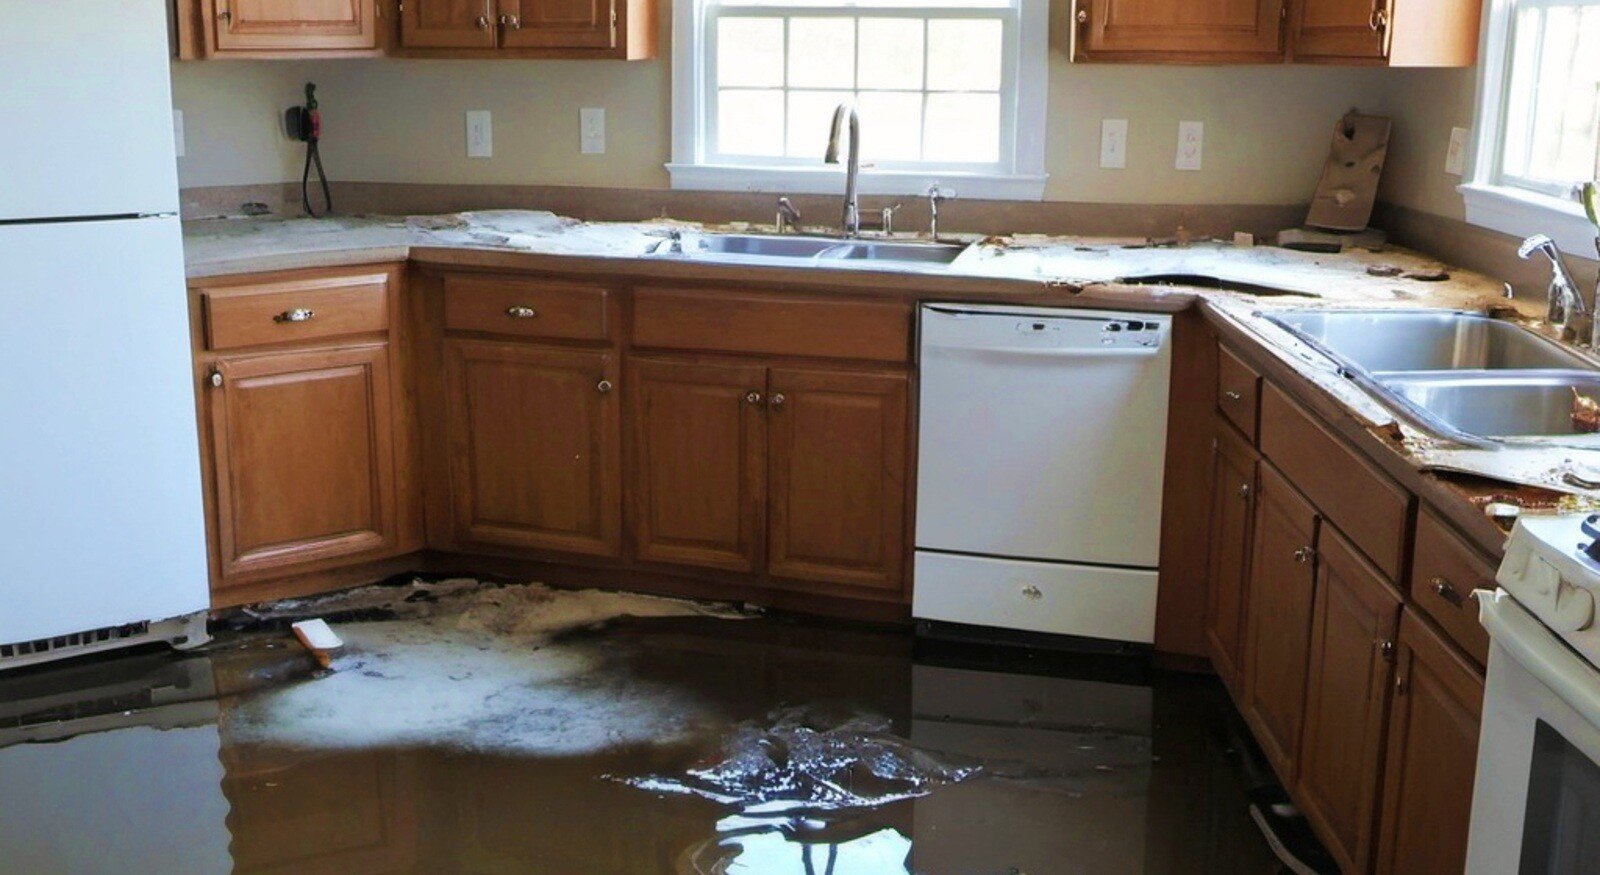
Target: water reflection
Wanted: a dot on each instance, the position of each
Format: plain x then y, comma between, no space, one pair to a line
1078,773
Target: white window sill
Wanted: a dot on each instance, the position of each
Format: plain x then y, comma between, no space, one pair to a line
830,180
1523,213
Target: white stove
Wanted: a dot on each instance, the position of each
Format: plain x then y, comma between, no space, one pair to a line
1536,797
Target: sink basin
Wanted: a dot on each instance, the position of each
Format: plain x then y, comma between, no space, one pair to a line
818,251
1381,342
1499,406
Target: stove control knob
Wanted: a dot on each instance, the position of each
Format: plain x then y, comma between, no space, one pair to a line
1574,608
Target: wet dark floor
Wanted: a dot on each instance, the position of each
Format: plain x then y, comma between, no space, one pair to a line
1050,764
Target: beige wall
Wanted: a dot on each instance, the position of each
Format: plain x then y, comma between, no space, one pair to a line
1267,127
1425,105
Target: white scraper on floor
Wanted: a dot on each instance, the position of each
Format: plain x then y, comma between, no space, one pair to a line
319,639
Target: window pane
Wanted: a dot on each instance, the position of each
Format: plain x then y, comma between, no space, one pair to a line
962,128
750,122
891,125
750,52
822,52
810,113
1553,110
891,53
964,55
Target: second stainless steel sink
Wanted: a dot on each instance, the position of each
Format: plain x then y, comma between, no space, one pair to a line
1379,341
1500,405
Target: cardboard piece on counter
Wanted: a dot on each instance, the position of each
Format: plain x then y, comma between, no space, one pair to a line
1349,185
1308,240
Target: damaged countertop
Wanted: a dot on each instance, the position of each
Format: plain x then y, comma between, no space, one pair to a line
1237,284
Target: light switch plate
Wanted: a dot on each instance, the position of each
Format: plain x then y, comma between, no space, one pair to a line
592,131
178,144
1455,159
480,134
1114,143
1191,145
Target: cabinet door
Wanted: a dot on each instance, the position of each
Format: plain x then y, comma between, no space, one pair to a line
1278,606
1340,29
1347,695
558,24
1232,500
1219,30
294,25
698,443
535,446
303,448
1432,755
837,477
447,24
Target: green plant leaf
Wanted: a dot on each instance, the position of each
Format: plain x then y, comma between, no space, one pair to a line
1591,203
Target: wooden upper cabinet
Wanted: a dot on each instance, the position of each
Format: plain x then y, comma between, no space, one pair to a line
448,24
1278,609
1399,33
838,464
566,24
1199,31
302,446
1432,755
698,441
1232,500
535,446
276,28
1347,695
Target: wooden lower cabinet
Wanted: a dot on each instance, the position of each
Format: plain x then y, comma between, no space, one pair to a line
302,446
1279,602
1436,707
698,438
1234,464
1347,697
534,446
837,476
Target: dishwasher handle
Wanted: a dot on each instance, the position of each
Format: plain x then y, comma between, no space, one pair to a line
1046,352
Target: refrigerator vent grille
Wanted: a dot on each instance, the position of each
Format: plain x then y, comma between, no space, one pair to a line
76,640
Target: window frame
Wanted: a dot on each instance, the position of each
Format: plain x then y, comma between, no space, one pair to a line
1491,201
1019,175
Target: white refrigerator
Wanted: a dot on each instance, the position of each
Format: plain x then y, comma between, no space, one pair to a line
102,537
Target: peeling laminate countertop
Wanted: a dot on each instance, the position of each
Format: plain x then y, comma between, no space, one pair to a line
1237,283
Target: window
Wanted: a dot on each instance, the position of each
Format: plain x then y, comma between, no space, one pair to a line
1539,119
946,90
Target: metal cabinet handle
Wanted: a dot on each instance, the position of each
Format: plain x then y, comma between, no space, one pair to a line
216,379
1303,555
1033,592
224,15
603,386
752,397
1083,16
1232,395
1444,589
1378,20
298,314
778,399
511,21
1244,491
516,312
483,22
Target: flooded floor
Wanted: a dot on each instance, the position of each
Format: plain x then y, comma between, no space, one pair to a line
683,742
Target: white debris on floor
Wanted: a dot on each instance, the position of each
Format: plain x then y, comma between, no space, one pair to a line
471,666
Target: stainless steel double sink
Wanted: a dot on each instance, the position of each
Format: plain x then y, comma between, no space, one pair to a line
798,250
1463,377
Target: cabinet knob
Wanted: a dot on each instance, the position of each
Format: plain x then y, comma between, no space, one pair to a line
1033,592
216,379
1083,16
483,22
1446,590
298,314
1232,395
516,312
224,15
778,399
511,21
1244,491
752,397
603,386
1303,555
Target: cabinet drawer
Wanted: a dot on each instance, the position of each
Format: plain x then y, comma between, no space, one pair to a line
297,309
1444,572
526,308
1238,391
665,318
1362,501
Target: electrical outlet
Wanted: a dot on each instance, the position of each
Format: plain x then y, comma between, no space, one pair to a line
1455,158
1114,143
480,134
178,144
1191,145
592,131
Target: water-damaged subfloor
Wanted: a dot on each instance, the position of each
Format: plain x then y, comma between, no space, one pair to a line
514,729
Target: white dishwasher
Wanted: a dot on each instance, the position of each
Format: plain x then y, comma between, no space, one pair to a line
1041,448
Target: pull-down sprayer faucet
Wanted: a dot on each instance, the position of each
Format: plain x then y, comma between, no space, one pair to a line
852,207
